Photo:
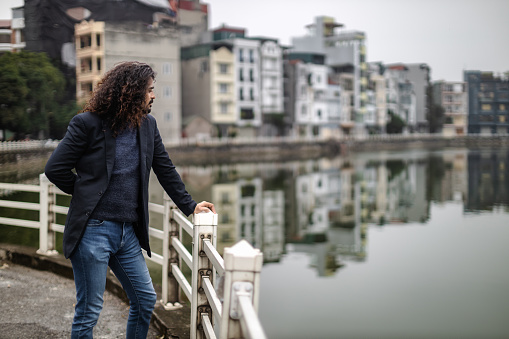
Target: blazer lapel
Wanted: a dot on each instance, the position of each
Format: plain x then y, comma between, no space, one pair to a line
143,134
110,146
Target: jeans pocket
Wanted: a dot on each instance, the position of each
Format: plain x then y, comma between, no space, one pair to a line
94,222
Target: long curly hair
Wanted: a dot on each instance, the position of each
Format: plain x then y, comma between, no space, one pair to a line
120,96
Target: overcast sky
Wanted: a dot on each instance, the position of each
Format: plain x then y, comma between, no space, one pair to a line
448,35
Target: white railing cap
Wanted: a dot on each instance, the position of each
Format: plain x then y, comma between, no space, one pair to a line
243,257
205,219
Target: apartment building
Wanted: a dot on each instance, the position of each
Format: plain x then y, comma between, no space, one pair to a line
310,81
12,36
452,96
233,82
101,45
345,53
488,102
271,87
5,36
419,75
401,99
208,89
376,118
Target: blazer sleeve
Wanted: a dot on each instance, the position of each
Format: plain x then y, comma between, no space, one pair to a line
169,178
63,160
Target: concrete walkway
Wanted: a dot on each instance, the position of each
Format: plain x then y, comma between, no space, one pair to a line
40,304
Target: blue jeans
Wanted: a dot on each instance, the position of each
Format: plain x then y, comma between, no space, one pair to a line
113,244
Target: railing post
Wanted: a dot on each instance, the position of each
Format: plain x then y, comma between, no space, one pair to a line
46,235
205,227
166,249
243,265
171,290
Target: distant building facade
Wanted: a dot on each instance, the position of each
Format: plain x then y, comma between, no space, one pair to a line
235,82
12,36
452,96
345,53
314,98
419,74
401,98
488,103
102,45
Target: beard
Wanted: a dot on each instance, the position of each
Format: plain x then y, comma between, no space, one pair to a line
148,109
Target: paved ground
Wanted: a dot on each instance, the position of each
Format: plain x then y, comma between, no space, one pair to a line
40,304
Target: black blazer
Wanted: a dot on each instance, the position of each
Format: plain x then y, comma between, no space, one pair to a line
89,148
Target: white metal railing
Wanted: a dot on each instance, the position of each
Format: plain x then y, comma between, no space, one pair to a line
23,145
231,315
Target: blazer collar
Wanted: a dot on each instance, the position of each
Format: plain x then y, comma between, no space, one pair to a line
110,147
143,137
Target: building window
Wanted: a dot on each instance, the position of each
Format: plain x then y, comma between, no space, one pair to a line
251,94
303,110
167,68
241,55
86,65
85,41
223,88
223,68
486,107
241,74
167,91
99,65
319,113
86,87
241,94
223,107
251,56
502,107
246,114
98,40
251,75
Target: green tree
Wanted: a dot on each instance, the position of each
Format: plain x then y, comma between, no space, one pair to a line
435,115
395,124
435,118
30,88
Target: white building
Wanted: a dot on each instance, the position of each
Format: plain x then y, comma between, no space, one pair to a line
401,99
345,53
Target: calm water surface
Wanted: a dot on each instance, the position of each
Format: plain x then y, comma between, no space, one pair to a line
385,245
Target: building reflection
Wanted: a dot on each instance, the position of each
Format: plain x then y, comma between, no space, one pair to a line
488,175
324,207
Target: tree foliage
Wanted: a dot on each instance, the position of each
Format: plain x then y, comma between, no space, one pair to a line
31,95
435,114
435,118
395,125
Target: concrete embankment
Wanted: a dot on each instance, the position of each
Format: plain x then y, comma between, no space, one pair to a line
265,150
38,296
235,152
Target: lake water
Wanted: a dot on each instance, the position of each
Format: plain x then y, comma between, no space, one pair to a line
370,245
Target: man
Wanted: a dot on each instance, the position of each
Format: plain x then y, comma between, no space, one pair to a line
112,146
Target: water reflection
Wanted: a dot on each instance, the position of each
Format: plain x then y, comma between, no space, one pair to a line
323,207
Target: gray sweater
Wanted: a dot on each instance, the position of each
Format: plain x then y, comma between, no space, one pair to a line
120,200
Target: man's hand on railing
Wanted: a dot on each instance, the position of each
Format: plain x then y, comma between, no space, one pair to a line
204,206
